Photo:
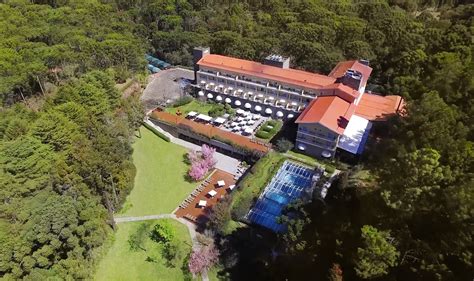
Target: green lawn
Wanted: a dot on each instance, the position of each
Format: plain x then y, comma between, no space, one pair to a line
197,106
160,183
122,263
311,160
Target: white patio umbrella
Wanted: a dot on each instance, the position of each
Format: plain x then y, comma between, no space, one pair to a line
218,98
279,114
248,105
237,103
290,116
258,108
210,96
268,111
227,100
201,93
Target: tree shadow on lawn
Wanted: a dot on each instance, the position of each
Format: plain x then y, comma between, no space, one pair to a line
246,254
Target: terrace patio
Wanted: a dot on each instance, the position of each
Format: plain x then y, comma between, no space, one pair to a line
210,192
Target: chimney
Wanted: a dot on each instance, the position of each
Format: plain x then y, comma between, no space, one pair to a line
199,53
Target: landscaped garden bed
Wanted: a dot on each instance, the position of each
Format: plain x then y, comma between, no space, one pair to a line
269,129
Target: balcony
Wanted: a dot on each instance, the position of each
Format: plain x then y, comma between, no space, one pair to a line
317,135
332,148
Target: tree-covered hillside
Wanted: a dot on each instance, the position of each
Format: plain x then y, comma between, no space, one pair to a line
404,213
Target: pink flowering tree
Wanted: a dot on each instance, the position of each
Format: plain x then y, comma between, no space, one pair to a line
201,162
197,171
203,258
207,151
193,156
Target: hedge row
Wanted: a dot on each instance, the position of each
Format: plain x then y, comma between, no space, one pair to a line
156,132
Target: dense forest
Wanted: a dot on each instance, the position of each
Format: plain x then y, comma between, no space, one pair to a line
66,167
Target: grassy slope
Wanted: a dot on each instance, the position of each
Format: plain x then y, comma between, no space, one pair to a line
120,263
253,184
201,107
159,184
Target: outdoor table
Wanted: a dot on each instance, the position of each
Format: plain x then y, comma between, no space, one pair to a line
221,183
212,193
202,203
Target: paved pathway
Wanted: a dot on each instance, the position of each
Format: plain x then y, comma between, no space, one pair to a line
190,226
224,162
144,218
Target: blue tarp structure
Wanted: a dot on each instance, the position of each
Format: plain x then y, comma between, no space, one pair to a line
157,62
287,185
153,69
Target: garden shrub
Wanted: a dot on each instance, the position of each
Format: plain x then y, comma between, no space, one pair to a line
283,145
217,111
330,169
263,134
162,232
182,101
156,132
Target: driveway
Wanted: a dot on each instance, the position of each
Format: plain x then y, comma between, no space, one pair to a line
165,85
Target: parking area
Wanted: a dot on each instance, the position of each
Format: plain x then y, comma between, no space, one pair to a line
166,86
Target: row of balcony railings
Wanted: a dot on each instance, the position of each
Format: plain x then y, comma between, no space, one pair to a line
330,147
249,95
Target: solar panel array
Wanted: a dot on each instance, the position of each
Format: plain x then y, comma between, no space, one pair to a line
287,185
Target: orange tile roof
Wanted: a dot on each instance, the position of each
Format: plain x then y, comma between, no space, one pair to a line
341,90
290,76
332,112
209,131
340,69
374,107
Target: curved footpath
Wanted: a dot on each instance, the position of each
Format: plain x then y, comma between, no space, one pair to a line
190,226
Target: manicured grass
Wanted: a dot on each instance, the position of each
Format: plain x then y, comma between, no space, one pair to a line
253,184
195,105
122,263
269,129
160,183
312,161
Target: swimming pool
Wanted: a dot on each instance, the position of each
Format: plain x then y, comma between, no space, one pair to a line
288,184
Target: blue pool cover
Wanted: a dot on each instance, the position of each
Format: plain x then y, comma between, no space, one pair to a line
286,186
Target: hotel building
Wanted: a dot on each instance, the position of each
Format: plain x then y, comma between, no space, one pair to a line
333,110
